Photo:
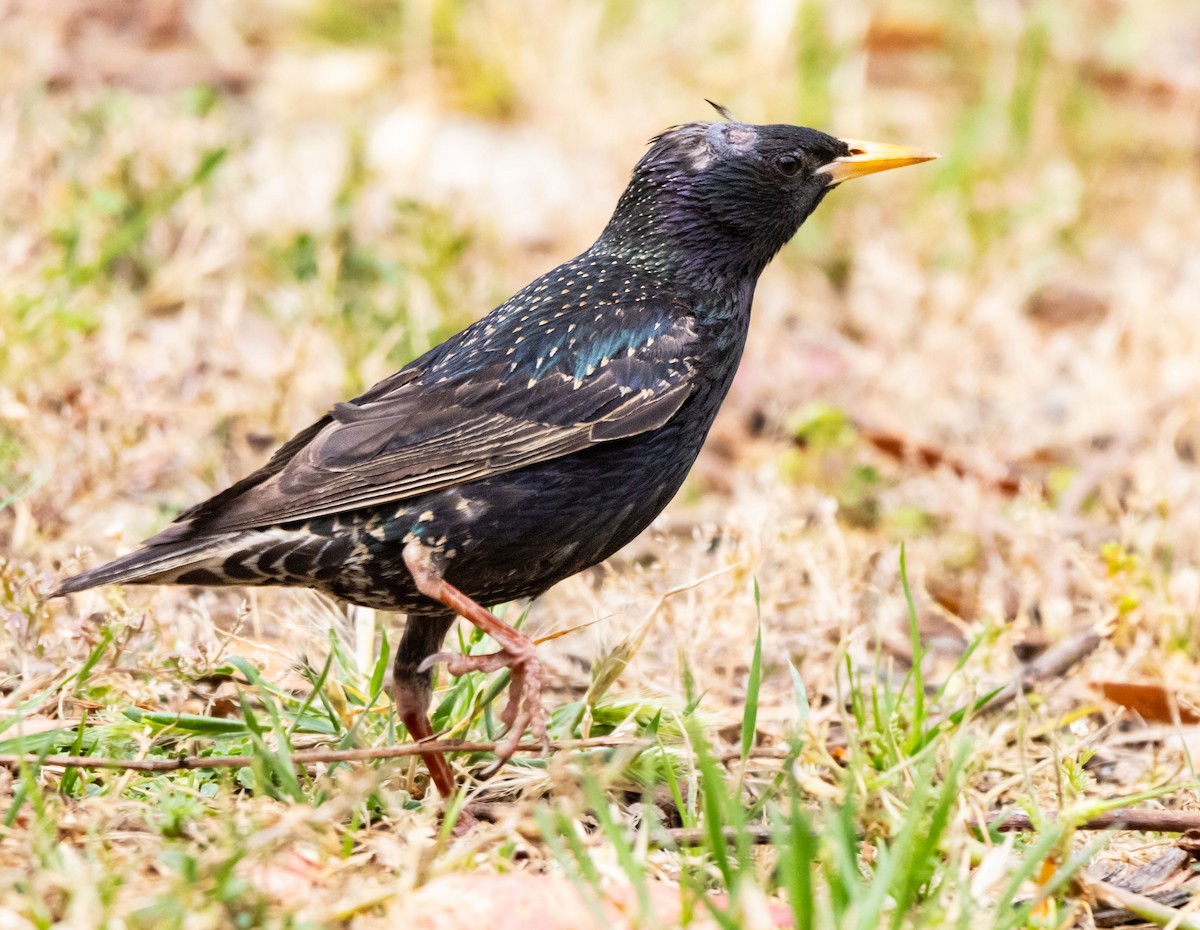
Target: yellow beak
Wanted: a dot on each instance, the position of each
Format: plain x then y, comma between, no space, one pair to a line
870,157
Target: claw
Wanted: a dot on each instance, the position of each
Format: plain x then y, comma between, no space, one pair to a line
490,769
524,709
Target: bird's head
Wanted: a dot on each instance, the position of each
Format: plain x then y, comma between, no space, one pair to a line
718,200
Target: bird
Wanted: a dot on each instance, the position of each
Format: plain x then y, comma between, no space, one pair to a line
536,442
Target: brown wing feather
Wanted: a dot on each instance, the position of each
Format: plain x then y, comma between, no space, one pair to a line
410,436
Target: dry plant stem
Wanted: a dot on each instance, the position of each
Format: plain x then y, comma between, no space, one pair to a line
1126,819
1153,821
1144,907
310,757
1053,663
698,836
318,756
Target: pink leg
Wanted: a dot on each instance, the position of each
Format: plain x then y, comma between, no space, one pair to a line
411,708
517,652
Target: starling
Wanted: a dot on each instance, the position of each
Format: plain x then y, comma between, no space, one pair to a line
539,440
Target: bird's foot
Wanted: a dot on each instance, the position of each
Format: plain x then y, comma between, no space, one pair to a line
524,709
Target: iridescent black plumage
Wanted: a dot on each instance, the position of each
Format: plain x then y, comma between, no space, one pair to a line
541,439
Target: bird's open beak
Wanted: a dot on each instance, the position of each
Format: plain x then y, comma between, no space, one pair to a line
869,157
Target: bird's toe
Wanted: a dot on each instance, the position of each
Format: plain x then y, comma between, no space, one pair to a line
458,663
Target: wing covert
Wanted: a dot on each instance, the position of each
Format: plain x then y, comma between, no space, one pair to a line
422,431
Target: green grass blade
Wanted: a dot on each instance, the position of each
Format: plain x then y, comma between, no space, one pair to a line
916,676
379,673
713,799
753,682
798,850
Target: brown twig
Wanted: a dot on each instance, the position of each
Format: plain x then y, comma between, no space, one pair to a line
1125,818
1155,821
1143,906
1053,663
315,756
307,757
697,836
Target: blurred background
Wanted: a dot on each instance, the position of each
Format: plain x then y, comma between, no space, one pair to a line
218,217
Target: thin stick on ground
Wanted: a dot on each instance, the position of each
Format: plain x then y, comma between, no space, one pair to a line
1053,663
1152,821
1157,913
311,756
1125,818
317,756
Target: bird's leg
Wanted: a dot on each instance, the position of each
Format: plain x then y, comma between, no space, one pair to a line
517,652
412,688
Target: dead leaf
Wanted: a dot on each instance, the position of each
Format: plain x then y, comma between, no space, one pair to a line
928,457
1151,701
1059,305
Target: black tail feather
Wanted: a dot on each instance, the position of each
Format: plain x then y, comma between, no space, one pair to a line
154,564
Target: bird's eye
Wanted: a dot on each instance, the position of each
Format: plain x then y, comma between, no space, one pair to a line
788,164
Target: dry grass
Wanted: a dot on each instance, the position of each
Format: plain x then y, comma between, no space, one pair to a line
216,221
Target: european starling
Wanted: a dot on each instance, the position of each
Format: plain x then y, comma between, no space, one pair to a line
539,440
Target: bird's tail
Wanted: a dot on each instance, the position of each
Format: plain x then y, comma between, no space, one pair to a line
161,563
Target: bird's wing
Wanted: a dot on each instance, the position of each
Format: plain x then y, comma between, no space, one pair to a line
424,430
